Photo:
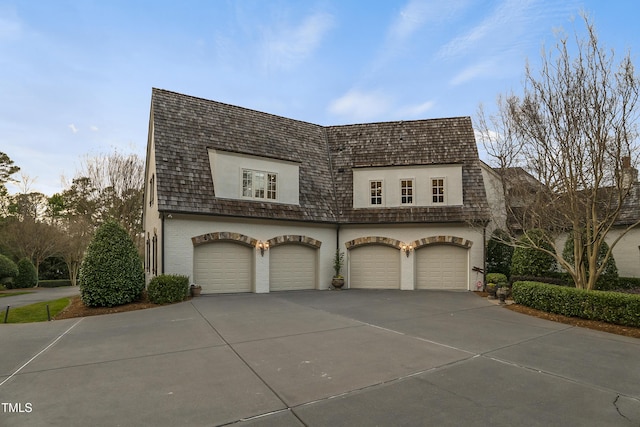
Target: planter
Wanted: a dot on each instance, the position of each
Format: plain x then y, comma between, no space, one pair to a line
491,290
337,282
195,290
502,293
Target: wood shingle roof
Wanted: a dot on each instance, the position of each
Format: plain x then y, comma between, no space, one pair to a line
186,127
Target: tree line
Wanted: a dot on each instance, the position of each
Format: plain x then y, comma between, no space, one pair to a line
39,227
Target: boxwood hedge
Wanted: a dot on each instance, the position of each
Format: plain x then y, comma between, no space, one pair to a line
611,307
168,288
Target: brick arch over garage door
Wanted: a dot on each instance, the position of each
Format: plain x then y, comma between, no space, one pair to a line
293,263
442,262
223,262
374,263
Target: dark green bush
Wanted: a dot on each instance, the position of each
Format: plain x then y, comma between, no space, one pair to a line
8,270
53,283
528,261
499,254
168,288
111,272
497,278
628,282
611,307
608,279
27,274
551,278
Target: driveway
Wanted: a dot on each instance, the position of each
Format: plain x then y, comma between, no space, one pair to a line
318,358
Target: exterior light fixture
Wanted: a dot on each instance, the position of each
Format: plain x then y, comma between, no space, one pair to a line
407,249
263,246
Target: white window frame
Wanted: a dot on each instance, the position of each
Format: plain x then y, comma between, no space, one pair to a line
259,185
442,196
376,193
412,187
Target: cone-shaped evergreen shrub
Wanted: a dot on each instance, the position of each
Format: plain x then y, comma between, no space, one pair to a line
111,272
27,275
528,261
8,271
608,279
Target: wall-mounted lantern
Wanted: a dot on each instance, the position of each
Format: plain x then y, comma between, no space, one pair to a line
263,246
407,249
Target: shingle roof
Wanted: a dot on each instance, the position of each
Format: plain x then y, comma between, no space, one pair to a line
185,127
408,143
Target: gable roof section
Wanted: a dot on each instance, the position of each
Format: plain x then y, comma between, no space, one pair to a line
408,143
185,127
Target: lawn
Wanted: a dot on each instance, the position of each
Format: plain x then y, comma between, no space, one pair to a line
34,312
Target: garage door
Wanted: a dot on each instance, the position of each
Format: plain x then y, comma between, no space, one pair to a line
292,267
374,267
442,267
223,267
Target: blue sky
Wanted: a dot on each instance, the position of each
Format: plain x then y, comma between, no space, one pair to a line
76,75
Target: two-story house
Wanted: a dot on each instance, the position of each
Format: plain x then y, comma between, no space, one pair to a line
245,201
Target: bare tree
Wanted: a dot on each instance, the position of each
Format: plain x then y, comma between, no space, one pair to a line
116,184
574,130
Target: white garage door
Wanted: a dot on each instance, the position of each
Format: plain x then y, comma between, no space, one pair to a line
374,267
442,267
292,267
223,267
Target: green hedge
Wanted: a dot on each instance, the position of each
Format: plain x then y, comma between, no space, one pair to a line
497,279
628,282
54,283
168,288
611,307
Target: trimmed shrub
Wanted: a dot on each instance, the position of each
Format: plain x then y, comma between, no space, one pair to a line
27,274
168,288
497,278
551,278
611,307
608,279
53,283
499,254
8,270
111,272
528,261
628,282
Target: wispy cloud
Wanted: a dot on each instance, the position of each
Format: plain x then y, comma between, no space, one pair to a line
417,14
73,128
360,106
94,128
484,68
285,47
415,111
512,26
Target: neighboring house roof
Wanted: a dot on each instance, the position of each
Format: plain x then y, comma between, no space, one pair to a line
629,214
185,127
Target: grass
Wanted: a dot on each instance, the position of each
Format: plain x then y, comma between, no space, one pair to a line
34,312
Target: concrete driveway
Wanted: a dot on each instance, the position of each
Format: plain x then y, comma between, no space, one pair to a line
318,358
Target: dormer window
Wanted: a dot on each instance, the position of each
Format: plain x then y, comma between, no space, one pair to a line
406,191
437,190
376,192
259,184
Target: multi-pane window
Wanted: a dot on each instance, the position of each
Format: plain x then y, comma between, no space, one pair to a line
376,192
437,188
406,191
259,184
